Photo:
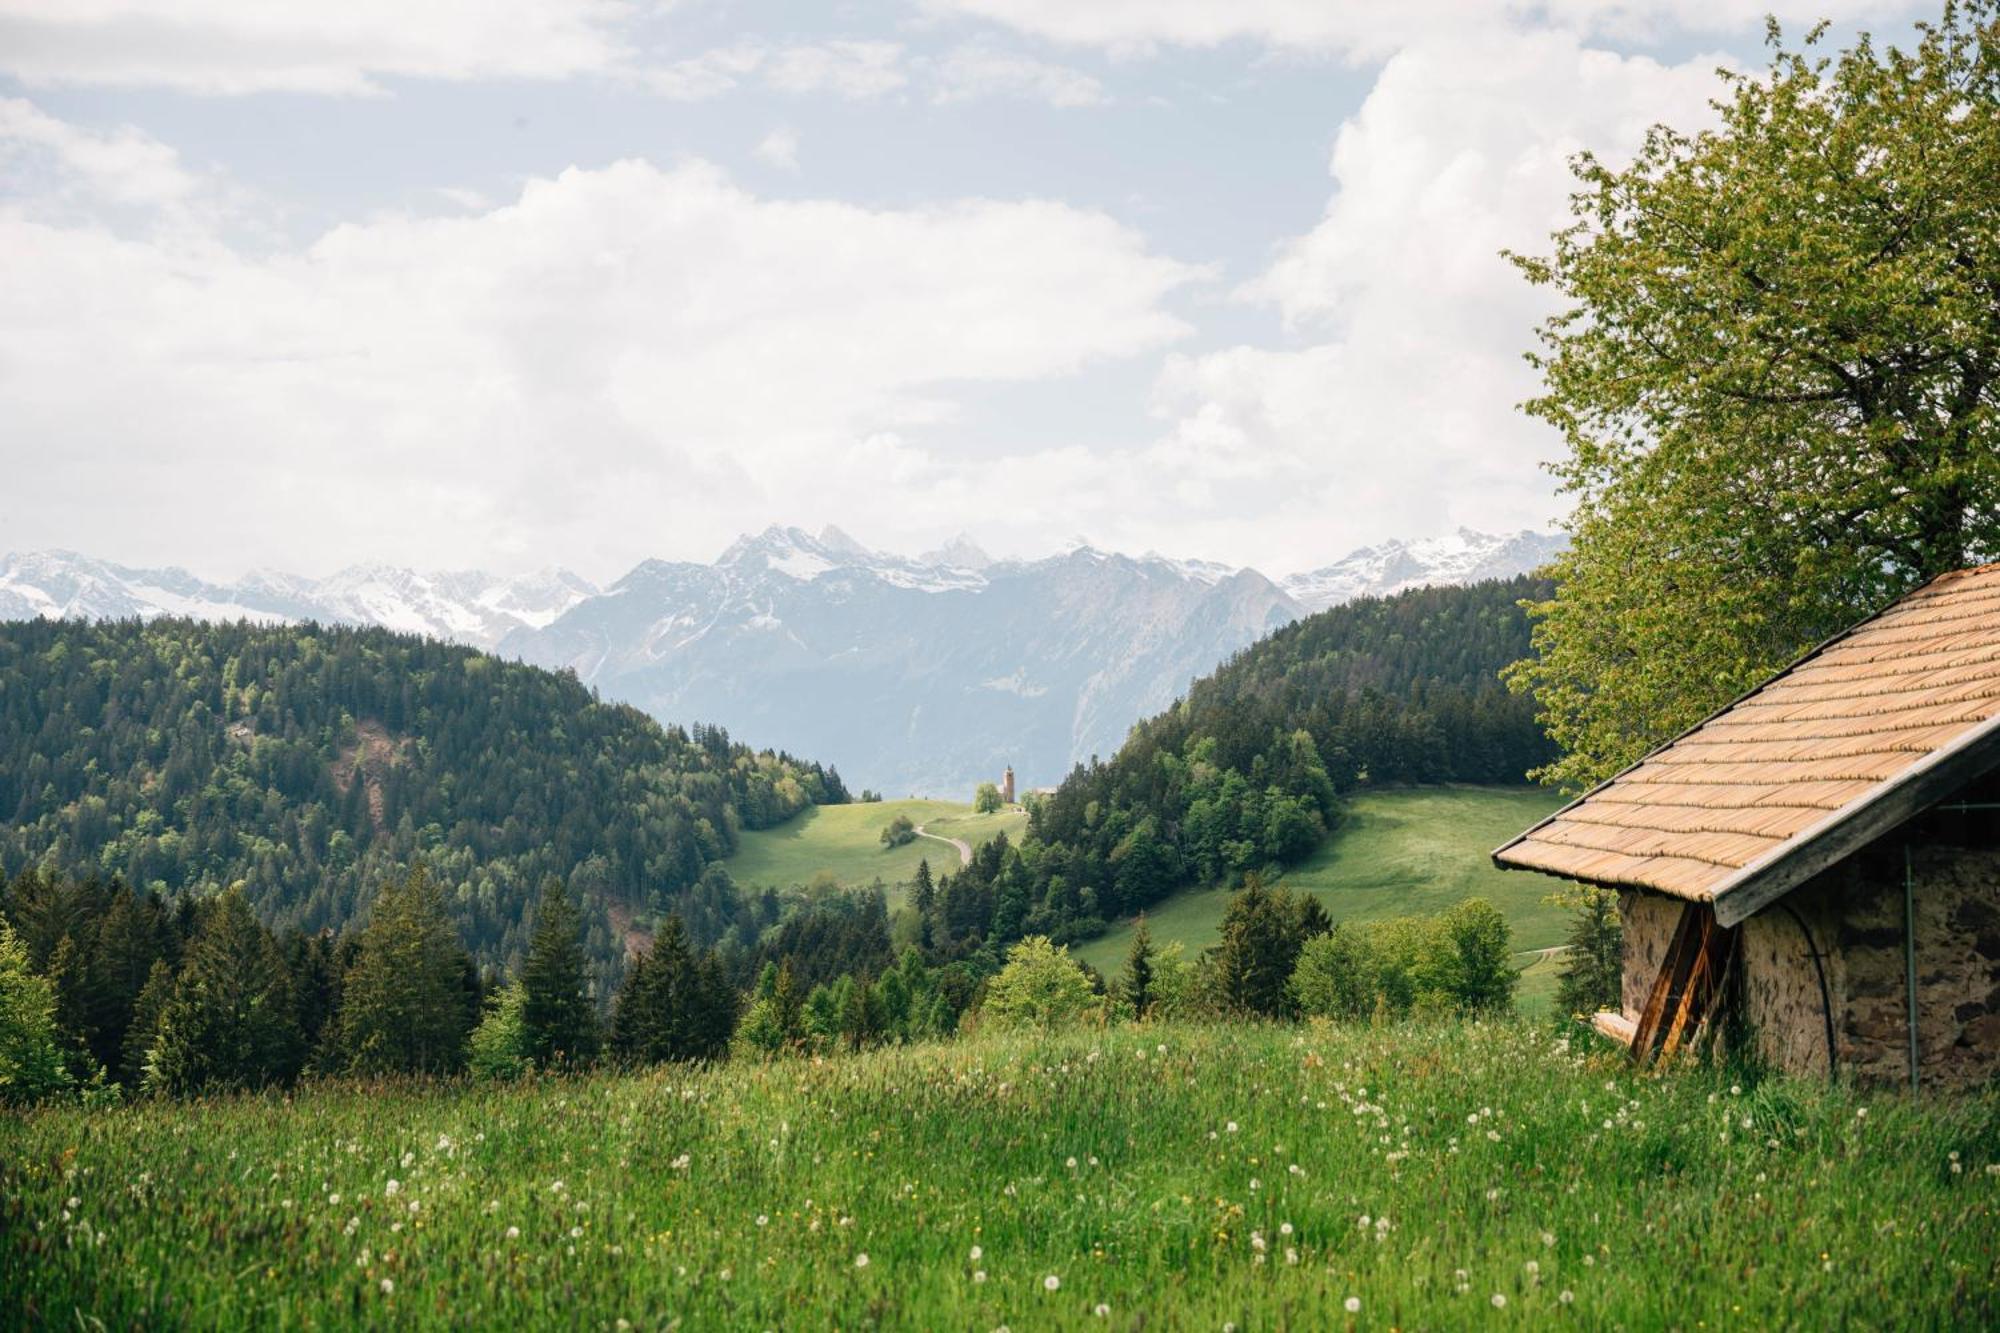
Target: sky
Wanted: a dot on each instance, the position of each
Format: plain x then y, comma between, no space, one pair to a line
518,283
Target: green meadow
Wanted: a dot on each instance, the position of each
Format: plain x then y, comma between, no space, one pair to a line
1396,853
845,842
1503,1175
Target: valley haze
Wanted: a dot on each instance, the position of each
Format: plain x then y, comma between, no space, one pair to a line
914,675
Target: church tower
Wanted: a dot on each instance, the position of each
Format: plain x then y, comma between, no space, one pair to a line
1007,785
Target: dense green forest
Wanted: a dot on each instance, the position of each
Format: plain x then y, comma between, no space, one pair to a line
1246,773
314,764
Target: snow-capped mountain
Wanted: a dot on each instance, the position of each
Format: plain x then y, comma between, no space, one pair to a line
1464,556
466,606
914,675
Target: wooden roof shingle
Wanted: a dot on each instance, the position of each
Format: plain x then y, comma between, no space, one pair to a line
1827,755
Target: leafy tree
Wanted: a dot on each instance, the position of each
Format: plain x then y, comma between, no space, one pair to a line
899,831
1592,976
1136,984
986,799
1337,975
230,1022
31,1046
1777,369
1040,987
1470,962
556,1010
403,1004
499,1046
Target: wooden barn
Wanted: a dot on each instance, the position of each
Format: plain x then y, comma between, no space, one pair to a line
1821,859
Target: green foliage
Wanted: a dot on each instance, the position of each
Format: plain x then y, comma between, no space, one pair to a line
986,799
674,1004
1458,961
1777,368
1135,984
1593,968
499,1048
313,764
556,1009
229,1023
31,1046
1041,987
1248,772
899,832
1337,976
1262,933
405,1006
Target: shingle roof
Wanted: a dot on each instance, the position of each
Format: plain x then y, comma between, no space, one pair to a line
1827,754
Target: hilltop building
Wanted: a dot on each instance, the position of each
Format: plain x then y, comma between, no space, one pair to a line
1007,786
1820,859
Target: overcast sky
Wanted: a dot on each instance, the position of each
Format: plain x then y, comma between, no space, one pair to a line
513,283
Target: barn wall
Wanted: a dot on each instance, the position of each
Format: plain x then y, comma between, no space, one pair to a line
1855,914
1648,921
1957,893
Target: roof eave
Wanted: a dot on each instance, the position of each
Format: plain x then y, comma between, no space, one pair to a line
1861,821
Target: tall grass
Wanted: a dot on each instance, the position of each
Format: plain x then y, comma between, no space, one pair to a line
1170,1176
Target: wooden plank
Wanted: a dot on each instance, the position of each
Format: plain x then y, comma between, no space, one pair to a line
1615,1026
1667,985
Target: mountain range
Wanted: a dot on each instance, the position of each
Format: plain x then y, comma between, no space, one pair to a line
912,674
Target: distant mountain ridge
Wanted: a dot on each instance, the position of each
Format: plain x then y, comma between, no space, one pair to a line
466,606
914,674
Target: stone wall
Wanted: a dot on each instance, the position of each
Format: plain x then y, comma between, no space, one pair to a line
1957,900
1855,914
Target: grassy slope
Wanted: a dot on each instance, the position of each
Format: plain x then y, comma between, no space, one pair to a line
846,841
1397,853
1167,1172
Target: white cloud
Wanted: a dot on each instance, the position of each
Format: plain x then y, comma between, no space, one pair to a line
779,148
49,160
1371,31
980,69
855,70
620,362
244,46
1396,411
851,69
709,74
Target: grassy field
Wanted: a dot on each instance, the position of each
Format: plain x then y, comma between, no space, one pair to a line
846,842
1154,1176
1396,853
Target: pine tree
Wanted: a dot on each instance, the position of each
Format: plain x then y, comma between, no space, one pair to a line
403,1006
1593,969
556,1011
1253,963
231,1021
31,1056
923,898
1137,982
145,1025
715,1010
128,945
652,1016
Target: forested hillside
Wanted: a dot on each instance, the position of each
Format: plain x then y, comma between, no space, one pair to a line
1247,771
312,764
